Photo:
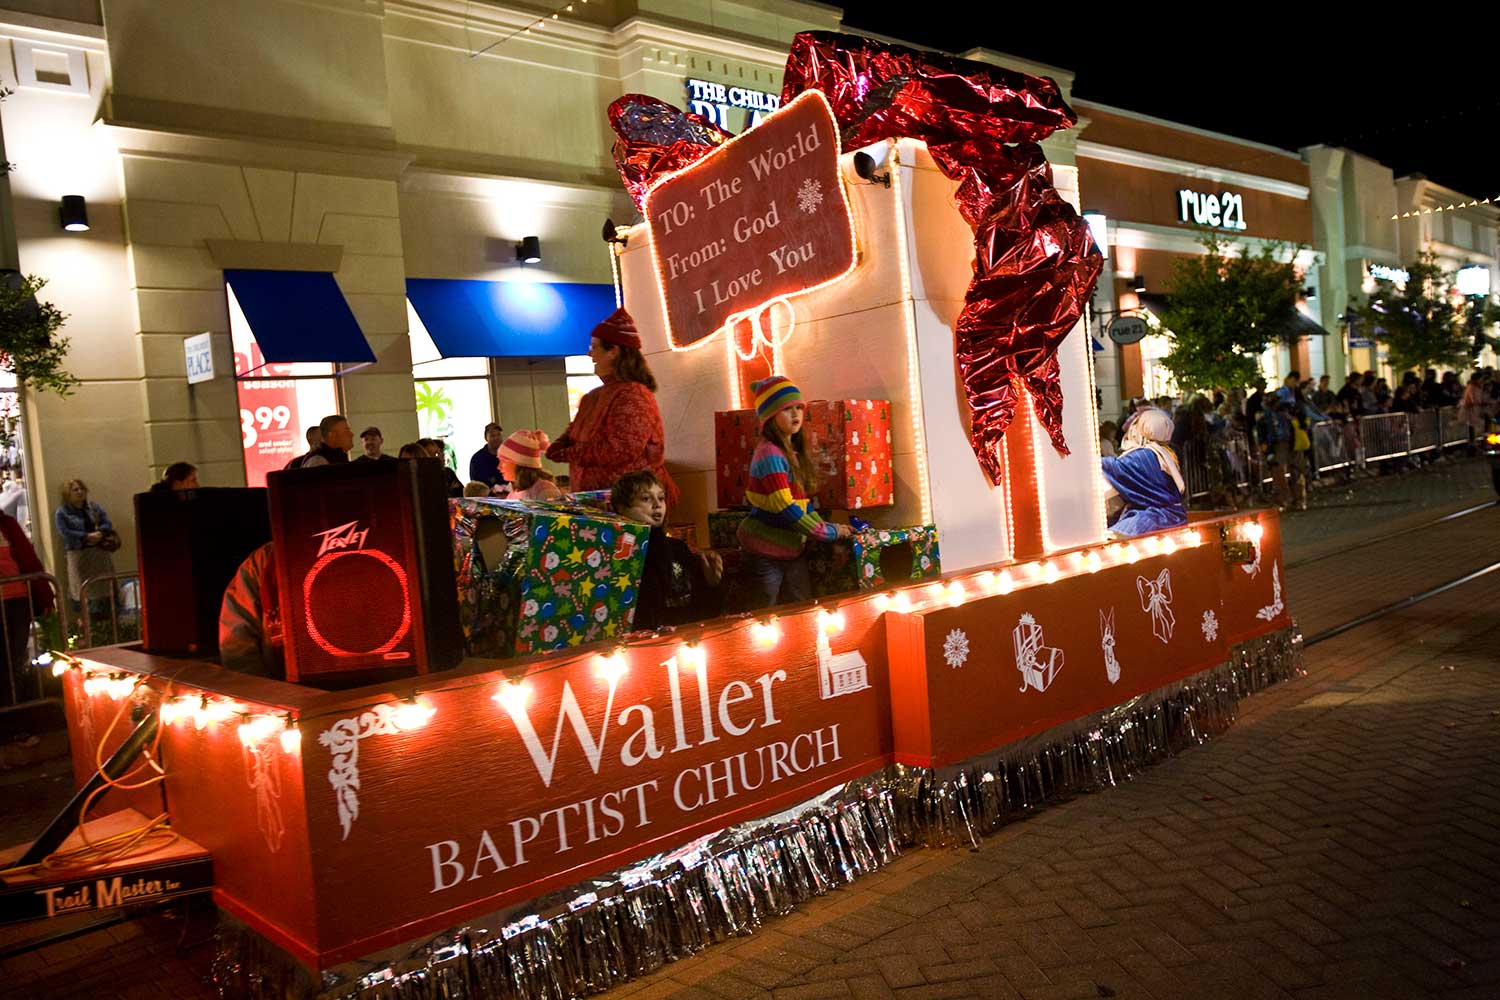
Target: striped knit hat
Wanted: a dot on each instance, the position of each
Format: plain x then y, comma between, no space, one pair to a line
618,328
525,448
772,395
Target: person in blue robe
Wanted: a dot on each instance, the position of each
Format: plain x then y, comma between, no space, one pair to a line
1144,480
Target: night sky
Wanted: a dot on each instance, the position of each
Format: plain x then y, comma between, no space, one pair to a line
1417,98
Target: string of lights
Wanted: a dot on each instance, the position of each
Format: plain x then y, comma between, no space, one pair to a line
258,723
1448,208
536,25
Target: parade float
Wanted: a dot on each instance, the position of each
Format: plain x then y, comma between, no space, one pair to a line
574,804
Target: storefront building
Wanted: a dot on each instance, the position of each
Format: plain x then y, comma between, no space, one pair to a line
399,219
1153,190
1372,225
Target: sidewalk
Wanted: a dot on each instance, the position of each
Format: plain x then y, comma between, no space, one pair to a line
1340,841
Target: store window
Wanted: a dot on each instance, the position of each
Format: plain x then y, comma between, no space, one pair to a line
581,380
453,395
277,402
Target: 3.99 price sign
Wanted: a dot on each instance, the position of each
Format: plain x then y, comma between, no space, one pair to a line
269,427
761,217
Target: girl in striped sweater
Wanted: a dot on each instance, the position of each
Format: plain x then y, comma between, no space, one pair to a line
781,520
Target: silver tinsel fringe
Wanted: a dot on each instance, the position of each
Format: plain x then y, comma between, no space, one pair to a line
604,932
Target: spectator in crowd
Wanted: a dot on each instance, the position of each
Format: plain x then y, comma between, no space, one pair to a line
371,440
472,490
1382,396
1408,398
413,450
1350,396
337,437
1432,390
1301,455
678,586
1146,487
1255,403
1323,396
13,501
1135,409
436,449
1367,392
1274,433
1451,389
1107,432
88,536
484,466
1287,392
179,476
1475,408
314,437
23,602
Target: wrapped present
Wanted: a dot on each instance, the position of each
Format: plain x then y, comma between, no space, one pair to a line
736,433
532,577
724,527
872,558
849,440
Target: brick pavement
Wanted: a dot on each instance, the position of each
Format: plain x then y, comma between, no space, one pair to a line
1340,841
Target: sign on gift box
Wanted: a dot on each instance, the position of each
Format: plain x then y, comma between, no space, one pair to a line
848,440
532,577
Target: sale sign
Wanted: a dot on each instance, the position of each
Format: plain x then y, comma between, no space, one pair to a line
761,217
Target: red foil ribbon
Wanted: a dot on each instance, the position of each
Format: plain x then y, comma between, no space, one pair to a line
1035,263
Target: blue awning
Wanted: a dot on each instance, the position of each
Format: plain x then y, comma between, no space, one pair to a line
298,316
509,319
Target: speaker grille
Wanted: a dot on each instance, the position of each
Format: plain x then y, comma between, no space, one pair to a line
340,592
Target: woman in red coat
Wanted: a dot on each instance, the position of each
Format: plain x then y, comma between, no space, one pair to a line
23,603
618,427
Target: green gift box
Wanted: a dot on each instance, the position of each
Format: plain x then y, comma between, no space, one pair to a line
865,560
533,578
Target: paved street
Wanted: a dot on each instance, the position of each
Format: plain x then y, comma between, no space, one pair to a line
1340,841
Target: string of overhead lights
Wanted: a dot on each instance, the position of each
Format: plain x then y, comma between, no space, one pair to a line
535,25
1448,208
256,724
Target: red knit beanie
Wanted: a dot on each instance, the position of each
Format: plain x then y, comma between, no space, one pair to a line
619,329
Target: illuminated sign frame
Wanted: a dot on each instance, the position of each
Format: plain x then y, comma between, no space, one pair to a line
713,100
771,297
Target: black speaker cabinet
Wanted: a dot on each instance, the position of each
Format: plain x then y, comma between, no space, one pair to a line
364,563
190,543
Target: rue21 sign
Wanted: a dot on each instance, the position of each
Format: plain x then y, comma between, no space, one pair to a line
1218,211
760,218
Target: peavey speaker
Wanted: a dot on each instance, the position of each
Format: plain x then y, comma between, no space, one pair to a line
190,543
364,562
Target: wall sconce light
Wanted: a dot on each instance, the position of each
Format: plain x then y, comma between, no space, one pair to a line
1138,284
866,168
529,250
73,213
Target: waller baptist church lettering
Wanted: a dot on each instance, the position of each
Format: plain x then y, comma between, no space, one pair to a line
698,714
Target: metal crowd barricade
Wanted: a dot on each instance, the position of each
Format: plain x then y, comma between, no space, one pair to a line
1195,459
124,615
1424,432
1453,430
1385,435
19,627
1329,448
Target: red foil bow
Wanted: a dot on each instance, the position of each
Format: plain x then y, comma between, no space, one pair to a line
1035,264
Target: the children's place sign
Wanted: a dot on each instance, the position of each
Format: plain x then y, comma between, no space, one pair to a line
761,217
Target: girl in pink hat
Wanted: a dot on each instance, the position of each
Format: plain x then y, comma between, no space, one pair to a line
520,458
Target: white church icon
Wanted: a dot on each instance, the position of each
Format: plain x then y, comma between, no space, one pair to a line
840,673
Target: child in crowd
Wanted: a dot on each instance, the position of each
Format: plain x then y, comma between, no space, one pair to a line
678,586
781,520
521,464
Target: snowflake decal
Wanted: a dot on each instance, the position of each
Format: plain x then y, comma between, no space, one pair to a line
1210,626
809,196
956,648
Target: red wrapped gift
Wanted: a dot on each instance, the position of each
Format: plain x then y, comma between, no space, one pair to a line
848,439
736,433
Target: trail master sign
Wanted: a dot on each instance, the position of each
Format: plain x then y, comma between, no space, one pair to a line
760,218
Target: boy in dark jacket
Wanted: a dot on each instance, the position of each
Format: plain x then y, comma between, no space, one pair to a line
678,586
